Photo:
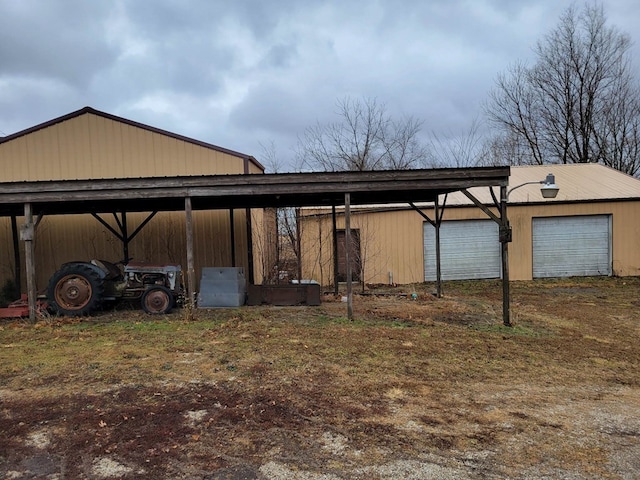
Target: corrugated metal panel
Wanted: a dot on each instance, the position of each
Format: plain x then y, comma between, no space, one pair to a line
390,242
577,182
92,146
68,238
399,239
468,250
572,246
581,182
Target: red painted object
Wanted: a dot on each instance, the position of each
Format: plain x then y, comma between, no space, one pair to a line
19,308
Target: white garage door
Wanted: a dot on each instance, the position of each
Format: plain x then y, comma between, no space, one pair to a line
468,249
572,246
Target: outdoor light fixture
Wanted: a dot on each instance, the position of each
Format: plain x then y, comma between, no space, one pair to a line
549,188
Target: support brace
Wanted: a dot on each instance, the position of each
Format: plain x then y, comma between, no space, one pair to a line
439,213
505,237
123,234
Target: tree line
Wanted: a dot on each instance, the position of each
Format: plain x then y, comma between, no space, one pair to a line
579,102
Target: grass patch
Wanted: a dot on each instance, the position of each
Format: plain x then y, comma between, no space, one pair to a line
517,330
403,379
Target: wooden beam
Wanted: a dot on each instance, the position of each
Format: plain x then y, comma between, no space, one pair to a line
251,277
28,234
347,253
142,225
481,206
256,189
106,225
439,213
504,242
334,231
123,234
191,271
438,250
422,214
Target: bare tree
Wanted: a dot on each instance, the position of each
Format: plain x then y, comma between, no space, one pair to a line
579,102
463,150
287,235
364,138
269,157
504,149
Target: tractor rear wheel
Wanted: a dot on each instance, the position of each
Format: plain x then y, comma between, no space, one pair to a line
157,300
75,290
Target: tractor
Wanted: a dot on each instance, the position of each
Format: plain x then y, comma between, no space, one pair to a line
80,288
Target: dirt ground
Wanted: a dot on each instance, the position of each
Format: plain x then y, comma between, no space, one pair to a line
411,388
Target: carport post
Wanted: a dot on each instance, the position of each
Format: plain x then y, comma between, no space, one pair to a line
438,250
191,271
505,238
334,232
28,232
347,253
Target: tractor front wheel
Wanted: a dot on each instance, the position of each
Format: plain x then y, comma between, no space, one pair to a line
75,290
157,300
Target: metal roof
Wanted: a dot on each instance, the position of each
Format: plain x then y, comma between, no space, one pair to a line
239,191
578,182
93,111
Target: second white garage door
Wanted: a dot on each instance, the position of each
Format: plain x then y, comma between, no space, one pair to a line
572,246
468,249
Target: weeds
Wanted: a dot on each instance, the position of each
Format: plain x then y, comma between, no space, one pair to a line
405,379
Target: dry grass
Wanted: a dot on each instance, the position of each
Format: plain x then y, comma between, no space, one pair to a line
437,381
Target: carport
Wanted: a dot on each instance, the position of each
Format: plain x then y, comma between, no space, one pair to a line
328,189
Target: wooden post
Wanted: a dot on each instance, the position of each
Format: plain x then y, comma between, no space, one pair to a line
28,233
347,253
505,238
299,245
125,237
335,250
250,261
438,259
191,271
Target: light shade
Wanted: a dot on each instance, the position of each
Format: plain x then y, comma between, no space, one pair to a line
549,189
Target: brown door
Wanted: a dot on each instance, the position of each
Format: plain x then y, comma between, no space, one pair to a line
354,256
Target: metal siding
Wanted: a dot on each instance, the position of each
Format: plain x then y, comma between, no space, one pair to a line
400,239
572,246
468,250
90,146
587,182
68,238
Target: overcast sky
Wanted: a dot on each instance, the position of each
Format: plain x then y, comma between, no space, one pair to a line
241,74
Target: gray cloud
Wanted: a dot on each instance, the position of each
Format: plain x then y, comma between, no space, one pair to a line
244,73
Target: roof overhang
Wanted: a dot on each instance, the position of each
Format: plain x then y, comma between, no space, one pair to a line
243,191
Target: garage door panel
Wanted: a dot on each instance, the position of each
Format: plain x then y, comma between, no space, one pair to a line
468,250
572,246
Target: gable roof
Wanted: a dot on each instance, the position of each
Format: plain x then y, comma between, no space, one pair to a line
578,182
89,110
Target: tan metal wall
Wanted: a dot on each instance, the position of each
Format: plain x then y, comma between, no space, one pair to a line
390,242
625,234
91,146
67,238
394,239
